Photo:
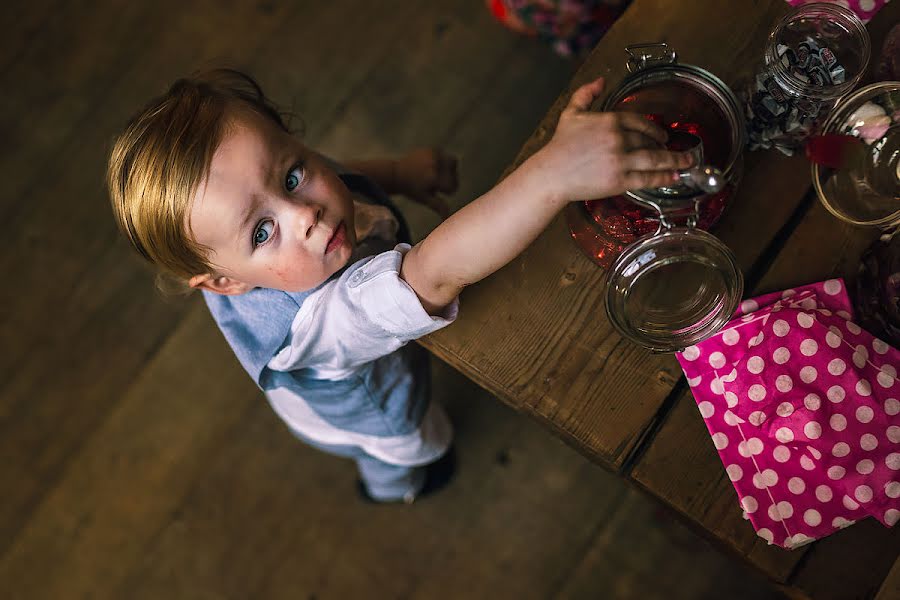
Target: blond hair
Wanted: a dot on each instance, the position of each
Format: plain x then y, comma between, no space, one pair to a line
162,157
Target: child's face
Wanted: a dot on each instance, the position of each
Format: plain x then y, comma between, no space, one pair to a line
272,212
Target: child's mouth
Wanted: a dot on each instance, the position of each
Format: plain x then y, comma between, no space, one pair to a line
337,238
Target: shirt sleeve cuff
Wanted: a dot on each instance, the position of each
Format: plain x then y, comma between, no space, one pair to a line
391,303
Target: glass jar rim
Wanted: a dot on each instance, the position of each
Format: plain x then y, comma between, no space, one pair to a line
796,86
647,254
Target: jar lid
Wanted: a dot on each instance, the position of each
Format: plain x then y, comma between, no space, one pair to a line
673,289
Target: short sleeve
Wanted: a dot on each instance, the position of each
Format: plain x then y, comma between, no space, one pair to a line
366,313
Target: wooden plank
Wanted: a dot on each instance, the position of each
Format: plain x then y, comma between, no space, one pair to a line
681,468
890,589
533,333
59,79
635,550
22,24
132,471
271,518
852,563
99,308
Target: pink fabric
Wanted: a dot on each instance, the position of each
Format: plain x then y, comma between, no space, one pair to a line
864,9
802,406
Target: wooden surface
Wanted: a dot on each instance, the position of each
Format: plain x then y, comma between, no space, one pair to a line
535,335
890,589
138,460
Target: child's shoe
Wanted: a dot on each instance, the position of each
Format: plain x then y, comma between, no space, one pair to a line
437,475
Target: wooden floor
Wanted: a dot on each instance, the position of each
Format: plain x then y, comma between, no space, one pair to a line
137,460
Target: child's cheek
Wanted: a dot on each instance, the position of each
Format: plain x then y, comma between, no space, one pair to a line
281,277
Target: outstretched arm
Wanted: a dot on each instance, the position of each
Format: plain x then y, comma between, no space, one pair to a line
591,155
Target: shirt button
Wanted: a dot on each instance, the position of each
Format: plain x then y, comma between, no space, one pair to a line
357,277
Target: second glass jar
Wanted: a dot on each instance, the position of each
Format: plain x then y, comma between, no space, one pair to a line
816,54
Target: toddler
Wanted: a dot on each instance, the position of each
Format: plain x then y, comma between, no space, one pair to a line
307,268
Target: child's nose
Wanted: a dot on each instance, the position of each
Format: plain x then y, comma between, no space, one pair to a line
306,217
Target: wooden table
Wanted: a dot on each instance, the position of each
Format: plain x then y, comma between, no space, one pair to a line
535,333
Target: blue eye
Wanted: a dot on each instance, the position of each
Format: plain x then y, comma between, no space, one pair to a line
294,178
263,233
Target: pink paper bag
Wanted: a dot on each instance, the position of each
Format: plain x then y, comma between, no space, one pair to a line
802,406
864,9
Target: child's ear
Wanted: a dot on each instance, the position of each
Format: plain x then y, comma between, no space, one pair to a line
220,285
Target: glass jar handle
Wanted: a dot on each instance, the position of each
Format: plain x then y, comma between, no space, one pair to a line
668,215
641,56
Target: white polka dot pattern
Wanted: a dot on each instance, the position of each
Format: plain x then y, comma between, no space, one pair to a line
808,374
756,365
781,328
757,392
823,493
836,394
806,321
868,442
781,355
812,402
865,6
812,517
781,453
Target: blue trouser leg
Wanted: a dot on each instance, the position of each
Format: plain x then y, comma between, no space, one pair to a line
385,482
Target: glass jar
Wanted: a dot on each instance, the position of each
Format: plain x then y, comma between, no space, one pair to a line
877,294
814,55
863,188
670,283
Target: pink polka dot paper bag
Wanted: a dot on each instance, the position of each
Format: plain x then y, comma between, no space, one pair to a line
864,9
802,406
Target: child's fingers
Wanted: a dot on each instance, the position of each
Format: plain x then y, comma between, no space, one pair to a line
633,140
635,122
639,180
585,95
656,160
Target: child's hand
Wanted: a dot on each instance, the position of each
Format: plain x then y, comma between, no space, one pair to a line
597,155
425,173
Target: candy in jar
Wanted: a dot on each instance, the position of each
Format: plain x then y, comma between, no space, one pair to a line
815,55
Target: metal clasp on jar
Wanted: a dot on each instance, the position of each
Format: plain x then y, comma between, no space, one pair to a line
641,56
668,215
